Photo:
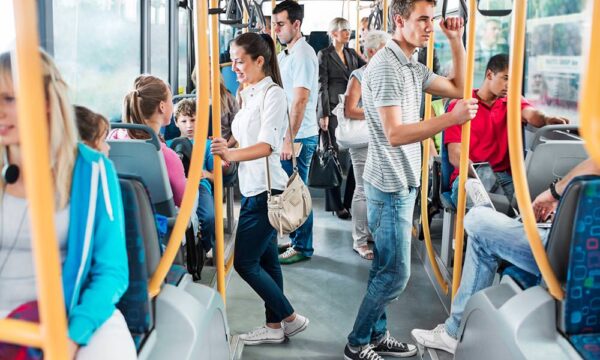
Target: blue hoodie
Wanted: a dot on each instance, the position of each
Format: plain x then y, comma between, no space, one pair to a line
95,271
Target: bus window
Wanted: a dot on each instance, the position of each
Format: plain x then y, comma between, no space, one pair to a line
7,26
93,54
159,48
553,56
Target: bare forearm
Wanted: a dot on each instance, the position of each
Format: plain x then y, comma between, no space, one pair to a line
355,113
587,167
412,133
253,152
296,116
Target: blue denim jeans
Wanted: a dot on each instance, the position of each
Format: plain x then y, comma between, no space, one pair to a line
504,178
390,222
302,239
493,237
206,216
256,258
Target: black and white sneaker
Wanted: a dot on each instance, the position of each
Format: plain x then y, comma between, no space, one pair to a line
392,347
363,353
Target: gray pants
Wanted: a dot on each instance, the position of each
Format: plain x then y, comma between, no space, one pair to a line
360,232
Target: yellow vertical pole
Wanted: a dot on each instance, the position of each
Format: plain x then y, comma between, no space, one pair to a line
245,20
425,182
38,181
464,153
515,148
218,169
385,14
589,106
357,45
197,160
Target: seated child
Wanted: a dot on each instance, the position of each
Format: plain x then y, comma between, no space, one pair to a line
93,129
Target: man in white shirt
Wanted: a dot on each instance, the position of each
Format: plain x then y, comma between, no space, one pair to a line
299,71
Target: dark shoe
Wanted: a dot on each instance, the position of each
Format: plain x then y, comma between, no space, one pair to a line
281,248
363,353
392,347
291,256
343,214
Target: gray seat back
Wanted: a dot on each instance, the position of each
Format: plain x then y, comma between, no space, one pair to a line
144,159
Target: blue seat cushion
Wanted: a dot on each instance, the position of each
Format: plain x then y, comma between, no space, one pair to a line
446,199
587,345
523,278
175,274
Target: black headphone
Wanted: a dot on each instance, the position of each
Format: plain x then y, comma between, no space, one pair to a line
10,172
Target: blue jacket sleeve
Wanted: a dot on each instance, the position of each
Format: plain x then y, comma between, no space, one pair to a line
108,275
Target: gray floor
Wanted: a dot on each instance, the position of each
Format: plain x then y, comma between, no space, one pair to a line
328,289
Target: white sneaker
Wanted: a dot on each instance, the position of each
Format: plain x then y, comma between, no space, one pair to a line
477,194
263,335
437,338
299,324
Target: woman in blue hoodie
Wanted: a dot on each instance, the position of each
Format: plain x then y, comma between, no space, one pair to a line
89,223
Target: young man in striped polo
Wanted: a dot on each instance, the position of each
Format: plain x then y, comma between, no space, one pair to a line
391,89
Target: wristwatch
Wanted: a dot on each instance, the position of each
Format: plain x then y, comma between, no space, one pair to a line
553,189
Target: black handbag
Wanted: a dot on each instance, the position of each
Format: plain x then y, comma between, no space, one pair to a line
325,170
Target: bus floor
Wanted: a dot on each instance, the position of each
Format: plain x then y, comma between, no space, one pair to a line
328,290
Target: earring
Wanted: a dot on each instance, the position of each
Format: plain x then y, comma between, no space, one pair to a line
10,172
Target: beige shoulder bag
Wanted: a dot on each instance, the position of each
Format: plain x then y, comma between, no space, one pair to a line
290,209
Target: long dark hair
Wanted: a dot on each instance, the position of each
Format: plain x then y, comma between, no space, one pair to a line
257,45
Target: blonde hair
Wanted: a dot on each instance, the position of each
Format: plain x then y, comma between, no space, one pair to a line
336,24
63,134
143,101
375,39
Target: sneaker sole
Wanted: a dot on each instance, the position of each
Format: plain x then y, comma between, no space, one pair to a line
286,262
300,329
258,342
400,355
429,346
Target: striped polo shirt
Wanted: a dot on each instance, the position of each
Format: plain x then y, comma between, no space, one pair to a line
392,79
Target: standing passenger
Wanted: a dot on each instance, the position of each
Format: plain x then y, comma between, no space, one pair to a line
374,41
299,71
89,225
259,128
391,88
336,63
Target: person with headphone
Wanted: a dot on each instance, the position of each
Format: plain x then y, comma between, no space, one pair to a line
89,224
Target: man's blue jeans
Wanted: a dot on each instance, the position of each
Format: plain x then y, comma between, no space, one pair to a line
493,237
390,222
302,239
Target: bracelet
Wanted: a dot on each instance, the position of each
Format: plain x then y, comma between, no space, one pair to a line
553,190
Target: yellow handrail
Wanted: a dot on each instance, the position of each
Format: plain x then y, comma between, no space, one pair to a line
589,106
357,36
51,333
218,170
464,153
515,147
385,15
425,183
224,65
245,20
197,160
273,4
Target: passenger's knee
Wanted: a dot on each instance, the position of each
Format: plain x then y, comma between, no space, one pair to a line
478,218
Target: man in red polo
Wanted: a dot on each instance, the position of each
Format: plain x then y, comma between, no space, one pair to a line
489,128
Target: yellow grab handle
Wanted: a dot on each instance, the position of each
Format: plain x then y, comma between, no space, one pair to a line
197,160
218,170
384,16
273,4
357,35
464,154
51,333
515,147
589,106
425,183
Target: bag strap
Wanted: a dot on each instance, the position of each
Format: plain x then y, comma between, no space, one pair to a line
294,162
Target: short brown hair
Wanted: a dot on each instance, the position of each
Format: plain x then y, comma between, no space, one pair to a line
405,7
186,107
92,126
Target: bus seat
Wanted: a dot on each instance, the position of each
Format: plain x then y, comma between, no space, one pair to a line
143,158
523,278
551,160
135,303
555,132
318,40
230,79
579,311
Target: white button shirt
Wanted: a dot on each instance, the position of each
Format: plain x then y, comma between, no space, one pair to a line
249,128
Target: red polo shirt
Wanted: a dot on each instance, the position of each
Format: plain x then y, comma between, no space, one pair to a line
489,134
